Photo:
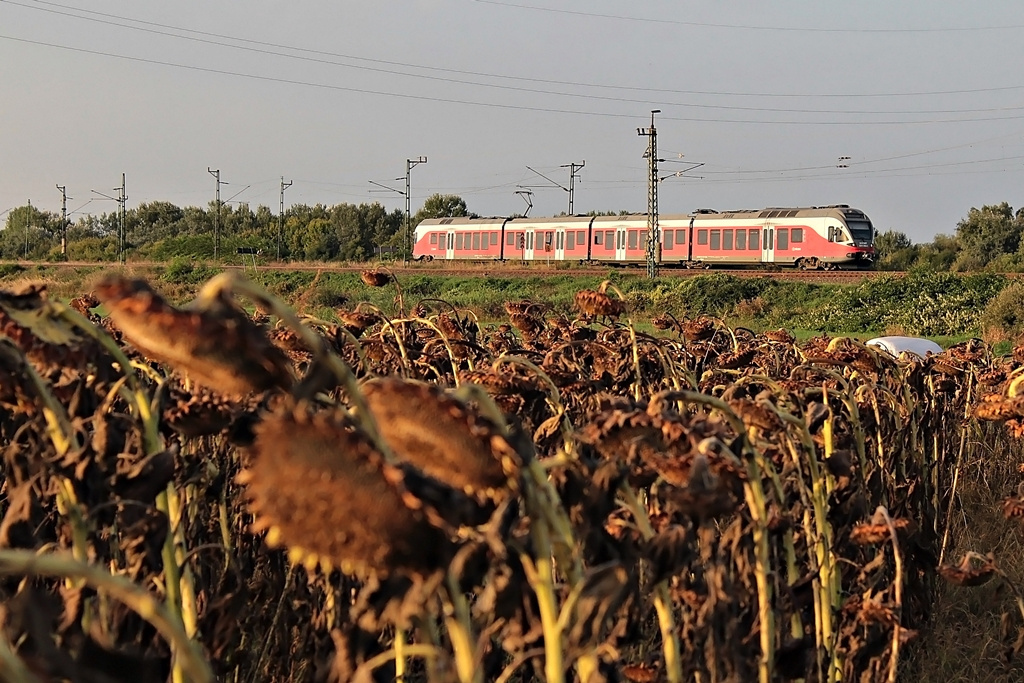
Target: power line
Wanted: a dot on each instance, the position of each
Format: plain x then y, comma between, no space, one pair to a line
748,27
494,105
489,75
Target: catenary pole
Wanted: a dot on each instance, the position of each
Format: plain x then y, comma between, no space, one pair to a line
409,165
280,216
653,236
64,220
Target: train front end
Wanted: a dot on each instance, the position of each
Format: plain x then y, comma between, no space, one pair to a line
859,237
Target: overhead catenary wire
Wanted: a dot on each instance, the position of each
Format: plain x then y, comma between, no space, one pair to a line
38,5
498,105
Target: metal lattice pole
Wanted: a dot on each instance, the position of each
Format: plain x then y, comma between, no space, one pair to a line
653,234
280,216
63,220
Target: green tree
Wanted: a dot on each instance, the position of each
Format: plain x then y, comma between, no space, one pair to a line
152,221
29,233
889,242
937,256
441,206
314,241
987,234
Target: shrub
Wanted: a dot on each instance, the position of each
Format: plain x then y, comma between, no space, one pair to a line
184,271
1004,314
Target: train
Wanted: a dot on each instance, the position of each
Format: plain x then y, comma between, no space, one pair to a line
811,238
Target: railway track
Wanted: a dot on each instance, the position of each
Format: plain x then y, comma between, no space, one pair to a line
504,270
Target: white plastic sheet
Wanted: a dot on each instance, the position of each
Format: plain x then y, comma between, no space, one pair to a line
897,345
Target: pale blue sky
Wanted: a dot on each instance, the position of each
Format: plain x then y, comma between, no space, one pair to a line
925,97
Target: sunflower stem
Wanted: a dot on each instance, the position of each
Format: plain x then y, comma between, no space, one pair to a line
187,655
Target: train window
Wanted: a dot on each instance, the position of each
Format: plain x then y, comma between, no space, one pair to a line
702,237
495,240
782,237
451,240
581,237
476,240
754,243
831,233
608,239
597,237
796,235
668,239
741,239
727,239
633,239
458,241
680,237
510,240
529,240
716,239
433,238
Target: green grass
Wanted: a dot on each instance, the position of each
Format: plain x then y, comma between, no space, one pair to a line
947,308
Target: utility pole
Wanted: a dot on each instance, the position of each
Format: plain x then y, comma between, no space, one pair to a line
573,167
653,236
280,216
409,165
28,224
216,215
122,201
64,220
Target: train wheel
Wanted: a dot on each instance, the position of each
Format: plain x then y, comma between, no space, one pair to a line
808,264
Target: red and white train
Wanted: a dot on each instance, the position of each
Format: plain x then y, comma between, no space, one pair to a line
824,237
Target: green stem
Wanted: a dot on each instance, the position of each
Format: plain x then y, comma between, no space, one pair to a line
186,652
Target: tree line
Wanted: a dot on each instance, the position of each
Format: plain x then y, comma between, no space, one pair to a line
987,239
161,231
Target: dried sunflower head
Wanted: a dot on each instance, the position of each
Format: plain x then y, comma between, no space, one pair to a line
84,304
374,278
779,336
973,570
443,436
599,304
698,329
28,318
357,322
317,486
998,408
877,530
217,345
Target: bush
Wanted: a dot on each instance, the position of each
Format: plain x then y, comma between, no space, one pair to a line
184,271
1004,314
9,269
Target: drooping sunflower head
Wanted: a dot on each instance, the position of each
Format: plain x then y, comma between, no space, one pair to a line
215,344
317,485
443,436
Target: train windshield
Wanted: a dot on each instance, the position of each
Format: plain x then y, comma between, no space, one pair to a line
860,230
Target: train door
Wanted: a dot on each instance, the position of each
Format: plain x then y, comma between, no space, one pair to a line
450,245
560,244
768,243
528,248
620,244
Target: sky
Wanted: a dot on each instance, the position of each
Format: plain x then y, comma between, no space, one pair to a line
912,111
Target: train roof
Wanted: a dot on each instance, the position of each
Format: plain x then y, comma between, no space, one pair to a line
463,220
834,210
841,211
